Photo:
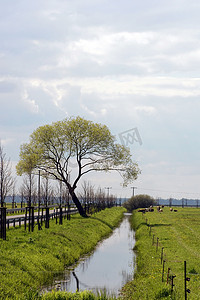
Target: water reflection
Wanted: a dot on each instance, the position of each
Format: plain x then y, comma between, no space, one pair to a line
110,266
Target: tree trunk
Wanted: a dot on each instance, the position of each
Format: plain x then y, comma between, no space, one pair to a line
78,204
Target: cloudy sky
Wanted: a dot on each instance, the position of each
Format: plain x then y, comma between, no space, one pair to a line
127,64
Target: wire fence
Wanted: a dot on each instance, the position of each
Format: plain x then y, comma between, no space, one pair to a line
167,275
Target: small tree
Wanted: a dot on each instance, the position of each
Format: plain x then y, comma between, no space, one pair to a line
139,201
45,190
28,187
89,144
6,179
87,191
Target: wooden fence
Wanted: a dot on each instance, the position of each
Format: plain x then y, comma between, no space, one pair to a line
33,217
36,217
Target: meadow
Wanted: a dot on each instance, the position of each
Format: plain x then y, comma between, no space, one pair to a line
172,237
29,261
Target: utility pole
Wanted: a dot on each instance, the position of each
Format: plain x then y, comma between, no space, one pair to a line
39,202
39,189
133,187
108,188
60,193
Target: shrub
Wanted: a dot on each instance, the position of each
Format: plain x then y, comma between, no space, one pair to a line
139,201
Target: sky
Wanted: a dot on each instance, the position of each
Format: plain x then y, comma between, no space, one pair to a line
131,65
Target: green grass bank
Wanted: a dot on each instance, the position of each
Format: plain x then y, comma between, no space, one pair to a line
29,261
178,233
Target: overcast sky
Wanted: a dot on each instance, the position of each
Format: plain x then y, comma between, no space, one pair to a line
127,64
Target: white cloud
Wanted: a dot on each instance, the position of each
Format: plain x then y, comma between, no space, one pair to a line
147,109
122,85
103,111
126,64
30,103
6,141
51,15
132,85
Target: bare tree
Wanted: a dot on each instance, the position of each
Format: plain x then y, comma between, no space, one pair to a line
28,188
47,191
101,196
13,196
6,179
87,190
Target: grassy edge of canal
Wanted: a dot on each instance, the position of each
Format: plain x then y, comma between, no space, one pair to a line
178,235
29,261
147,282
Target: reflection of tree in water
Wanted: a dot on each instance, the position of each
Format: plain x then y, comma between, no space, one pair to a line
64,286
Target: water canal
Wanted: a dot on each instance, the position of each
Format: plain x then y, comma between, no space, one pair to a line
109,267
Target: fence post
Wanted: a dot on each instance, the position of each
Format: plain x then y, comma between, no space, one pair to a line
163,270
61,216
65,212
68,212
3,223
47,218
185,281
38,220
172,282
149,229
161,258
25,218
157,244
31,218
168,275
42,216
56,215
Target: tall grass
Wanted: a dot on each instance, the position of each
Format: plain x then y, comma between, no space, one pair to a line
28,261
85,295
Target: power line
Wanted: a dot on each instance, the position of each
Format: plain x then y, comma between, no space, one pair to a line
164,191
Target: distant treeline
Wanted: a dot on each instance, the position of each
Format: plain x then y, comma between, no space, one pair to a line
178,202
18,199
160,201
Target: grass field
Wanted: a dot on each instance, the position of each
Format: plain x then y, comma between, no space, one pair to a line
30,260
179,234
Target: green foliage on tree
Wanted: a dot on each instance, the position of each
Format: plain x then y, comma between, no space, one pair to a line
91,146
139,201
